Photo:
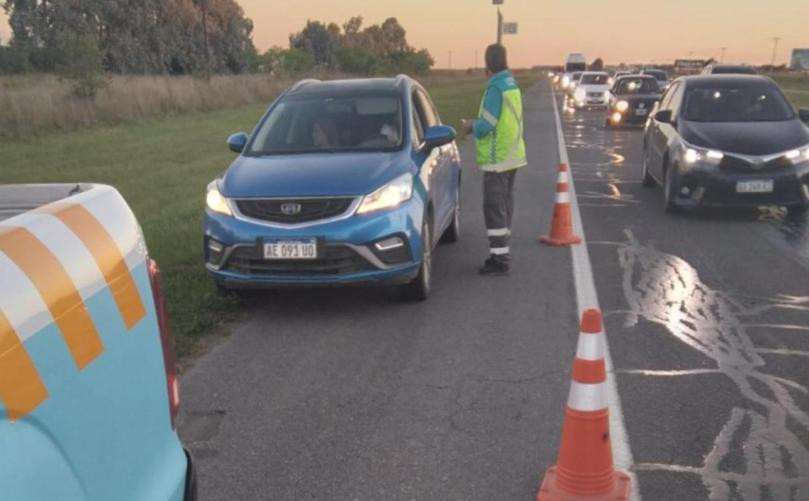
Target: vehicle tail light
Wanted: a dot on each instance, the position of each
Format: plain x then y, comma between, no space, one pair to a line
167,340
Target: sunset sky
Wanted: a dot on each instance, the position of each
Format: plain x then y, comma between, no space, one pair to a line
655,31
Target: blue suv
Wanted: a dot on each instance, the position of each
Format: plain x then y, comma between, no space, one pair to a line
341,182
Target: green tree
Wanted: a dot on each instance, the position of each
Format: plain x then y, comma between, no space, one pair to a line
358,60
416,62
297,61
138,36
319,40
78,58
380,48
21,20
352,35
597,65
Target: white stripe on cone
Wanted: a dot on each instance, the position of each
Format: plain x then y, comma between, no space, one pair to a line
562,197
562,178
590,347
587,397
499,251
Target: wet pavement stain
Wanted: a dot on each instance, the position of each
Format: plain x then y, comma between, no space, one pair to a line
763,435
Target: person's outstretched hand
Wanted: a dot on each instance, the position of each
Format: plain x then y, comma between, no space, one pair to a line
467,126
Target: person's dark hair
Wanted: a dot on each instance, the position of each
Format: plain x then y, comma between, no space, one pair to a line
496,58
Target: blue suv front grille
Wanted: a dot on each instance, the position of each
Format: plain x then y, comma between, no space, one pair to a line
308,209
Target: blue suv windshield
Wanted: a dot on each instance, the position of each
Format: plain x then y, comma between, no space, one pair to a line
330,123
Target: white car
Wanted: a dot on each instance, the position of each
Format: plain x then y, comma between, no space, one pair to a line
592,90
569,82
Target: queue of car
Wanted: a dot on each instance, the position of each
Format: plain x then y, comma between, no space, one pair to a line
724,138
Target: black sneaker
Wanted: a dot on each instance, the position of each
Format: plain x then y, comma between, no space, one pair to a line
494,267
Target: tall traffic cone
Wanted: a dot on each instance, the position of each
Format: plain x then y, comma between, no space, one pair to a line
584,470
562,224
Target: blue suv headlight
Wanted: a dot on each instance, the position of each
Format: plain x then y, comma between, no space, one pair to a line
389,196
216,202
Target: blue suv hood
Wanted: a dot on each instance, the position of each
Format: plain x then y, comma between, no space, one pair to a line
311,175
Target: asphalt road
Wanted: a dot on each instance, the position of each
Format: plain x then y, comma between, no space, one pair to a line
707,315
352,394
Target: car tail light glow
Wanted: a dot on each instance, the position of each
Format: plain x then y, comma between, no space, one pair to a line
167,342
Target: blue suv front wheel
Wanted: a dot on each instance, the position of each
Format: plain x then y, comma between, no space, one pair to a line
419,288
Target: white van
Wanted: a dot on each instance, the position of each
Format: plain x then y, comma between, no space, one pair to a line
575,63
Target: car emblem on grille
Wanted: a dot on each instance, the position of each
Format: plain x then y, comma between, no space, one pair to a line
642,105
292,209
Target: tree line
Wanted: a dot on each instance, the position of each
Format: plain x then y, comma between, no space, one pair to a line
181,37
128,36
375,49
84,40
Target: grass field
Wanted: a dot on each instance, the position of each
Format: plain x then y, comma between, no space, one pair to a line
796,89
162,167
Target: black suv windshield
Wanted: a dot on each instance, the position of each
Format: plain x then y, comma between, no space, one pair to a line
330,123
759,102
637,85
739,70
595,79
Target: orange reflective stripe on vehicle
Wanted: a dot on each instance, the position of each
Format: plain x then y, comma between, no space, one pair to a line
57,290
21,388
107,256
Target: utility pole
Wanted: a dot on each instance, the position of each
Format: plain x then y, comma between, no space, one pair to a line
723,49
774,50
477,63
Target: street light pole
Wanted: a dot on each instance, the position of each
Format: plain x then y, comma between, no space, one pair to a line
499,26
498,3
774,50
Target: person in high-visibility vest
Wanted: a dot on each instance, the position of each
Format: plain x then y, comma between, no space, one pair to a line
500,152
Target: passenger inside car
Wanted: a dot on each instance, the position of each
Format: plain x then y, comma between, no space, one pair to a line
385,136
324,133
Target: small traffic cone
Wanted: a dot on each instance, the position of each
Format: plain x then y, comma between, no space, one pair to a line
562,224
584,470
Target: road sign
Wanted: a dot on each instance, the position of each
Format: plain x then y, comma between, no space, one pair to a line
688,66
509,28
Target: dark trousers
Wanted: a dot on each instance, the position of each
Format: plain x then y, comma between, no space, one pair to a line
498,209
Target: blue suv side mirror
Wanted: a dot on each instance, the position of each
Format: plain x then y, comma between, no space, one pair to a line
438,135
237,142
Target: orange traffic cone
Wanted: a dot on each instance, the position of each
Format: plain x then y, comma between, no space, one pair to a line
562,224
584,470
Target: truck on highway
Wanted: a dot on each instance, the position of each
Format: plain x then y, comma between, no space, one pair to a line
88,382
575,62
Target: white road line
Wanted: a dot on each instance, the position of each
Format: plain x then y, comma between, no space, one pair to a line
587,298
